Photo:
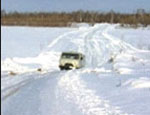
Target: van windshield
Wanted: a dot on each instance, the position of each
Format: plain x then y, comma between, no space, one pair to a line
70,56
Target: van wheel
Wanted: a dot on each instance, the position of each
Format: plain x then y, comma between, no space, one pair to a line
68,66
61,68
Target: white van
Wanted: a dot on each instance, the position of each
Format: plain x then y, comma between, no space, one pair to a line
70,60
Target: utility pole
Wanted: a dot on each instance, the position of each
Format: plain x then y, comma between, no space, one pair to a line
112,17
141,12
80,16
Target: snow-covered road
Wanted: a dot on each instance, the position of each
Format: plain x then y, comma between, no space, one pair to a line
115,80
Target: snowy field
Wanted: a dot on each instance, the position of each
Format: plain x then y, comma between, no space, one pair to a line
114,81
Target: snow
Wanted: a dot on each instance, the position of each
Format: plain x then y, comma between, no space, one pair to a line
30,40
114,81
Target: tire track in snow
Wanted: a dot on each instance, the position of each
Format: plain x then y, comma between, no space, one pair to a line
96,47
100,46
117,42
52,45
92,46
34,97
74,90
11,85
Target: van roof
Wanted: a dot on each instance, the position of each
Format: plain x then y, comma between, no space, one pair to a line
72,53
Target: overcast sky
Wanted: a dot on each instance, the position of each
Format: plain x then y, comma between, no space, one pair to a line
125,6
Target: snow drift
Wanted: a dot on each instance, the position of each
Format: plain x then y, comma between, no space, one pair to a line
115,80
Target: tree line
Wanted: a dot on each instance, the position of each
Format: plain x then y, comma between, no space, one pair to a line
61,19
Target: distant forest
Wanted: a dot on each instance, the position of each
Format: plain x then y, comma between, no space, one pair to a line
63,19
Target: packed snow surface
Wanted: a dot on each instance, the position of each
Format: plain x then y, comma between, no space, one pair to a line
114,81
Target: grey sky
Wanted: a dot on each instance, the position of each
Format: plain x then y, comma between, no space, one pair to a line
73,5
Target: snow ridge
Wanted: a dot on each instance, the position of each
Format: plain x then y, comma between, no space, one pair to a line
115,80
75,90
